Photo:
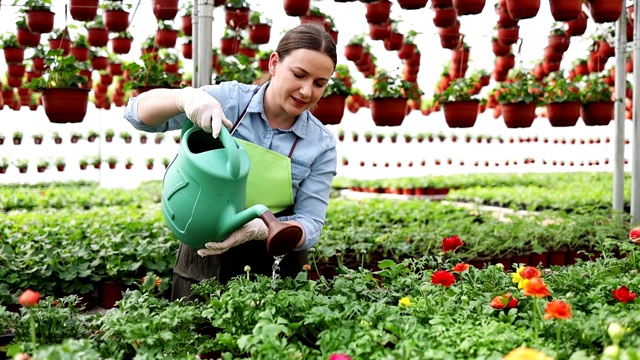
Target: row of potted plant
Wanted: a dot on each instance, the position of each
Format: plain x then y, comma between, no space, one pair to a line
92,135
42,164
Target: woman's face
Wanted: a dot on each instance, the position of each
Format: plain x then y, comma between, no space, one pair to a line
299,80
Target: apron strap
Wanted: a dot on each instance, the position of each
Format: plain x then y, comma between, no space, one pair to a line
293,147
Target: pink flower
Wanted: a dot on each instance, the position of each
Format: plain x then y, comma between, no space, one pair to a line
339,357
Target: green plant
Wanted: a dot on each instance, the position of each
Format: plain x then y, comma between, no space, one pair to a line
4,163
109,133
257,18
125,135
114,5
391,85
148,72
43,163
336,86
410,37
460,89
593,88
21,163
81,41
521,87
62,72
560,89
17,135
33,4
356,40
97,23
9,40
58,34
111,160
237,4
38,136
239,68
123,35
59,161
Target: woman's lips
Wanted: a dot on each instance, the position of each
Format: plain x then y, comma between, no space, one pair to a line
298,103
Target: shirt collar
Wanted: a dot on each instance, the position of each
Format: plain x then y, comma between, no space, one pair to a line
257,106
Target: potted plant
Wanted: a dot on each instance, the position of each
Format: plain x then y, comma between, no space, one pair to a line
37,138
63,100
158,138
596,100
237,14
176,138
519,97
96,161
166,35
60,163
22,165
165,9
126,137
39,15
239,68
562,99
1,139
60,39
128,164
13,51
4,164
25,37
83,10
388,100
121,42
259,28
149,163
112,161
143,138
83,163
17,138
165,162
97,35
460,103
43,164
380,137
148,74
75,136
354,50
109,134
115,17
80,48
330,108
56,137
92,135
186,21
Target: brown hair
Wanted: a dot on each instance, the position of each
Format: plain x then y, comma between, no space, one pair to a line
310,36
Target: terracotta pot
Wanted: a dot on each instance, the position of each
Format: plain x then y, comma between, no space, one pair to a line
603,11
379,31
563,114
64,44
406,51
393,42
260,33
330,109
461,114
165,9
296,7
81,54
65,105
26,38
40,21
353,52
444,17
438,4
186,25
116,20
388,111
412,4
468,7
559,43
523,9
13,55
518,115
187,50
166,38
508,36
83,10
237,18
110,293
499,49
100,63
378,12
576,27
565,10
450,37
121,45
97,37
597,113
504,20
229,46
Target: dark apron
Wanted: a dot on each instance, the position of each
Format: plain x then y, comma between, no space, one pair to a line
191,268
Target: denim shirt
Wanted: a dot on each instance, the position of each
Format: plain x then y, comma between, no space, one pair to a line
313,162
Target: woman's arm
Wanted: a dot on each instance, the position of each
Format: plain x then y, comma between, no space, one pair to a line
157,106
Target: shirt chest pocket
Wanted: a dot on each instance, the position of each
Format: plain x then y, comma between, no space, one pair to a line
299,172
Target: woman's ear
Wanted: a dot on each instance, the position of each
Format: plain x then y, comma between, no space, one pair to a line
273,62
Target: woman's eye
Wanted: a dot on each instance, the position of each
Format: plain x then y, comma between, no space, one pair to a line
319,85
298,76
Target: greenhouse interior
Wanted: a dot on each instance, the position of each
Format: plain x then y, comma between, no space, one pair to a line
137,223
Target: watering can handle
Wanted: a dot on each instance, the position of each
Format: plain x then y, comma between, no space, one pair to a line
233,152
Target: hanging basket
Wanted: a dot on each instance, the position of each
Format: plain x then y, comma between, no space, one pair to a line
97,37
444,17
518,115
330,109
166,38
237,18
353,52
26,38
565,10
523,9
296,7
576,27
412,4
597,113
563,114
83,10
388,111
603,11
186,25
468,7
260,33
40,21
165,9
116,20
461,114
378,12
65,105
121,45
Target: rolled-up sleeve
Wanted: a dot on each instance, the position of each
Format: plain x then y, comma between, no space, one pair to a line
312,198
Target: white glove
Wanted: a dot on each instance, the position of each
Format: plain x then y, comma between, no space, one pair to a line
202,109
255,229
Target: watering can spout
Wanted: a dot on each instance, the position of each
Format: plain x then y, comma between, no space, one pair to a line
247,215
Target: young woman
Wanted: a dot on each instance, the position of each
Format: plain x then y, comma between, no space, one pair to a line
276,117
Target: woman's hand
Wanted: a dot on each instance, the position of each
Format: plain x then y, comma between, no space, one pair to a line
202,109
255,229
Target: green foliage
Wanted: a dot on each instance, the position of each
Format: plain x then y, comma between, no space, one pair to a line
237,4
521,87
357,40
117,5
239,68
62,72
391,85
33,4
336,86
148,72
593,88
560,89
458,90
9,40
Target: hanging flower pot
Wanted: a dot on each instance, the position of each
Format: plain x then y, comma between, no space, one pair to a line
450,37
563,114
13,54
379,31
407,51
115,69
83,10
16,70
229,46
378,12
187,50
330,109
100,63
116,20
260,33
461,114
81,53
40,21
388,111
468,7
504,19
518,115
597,113
576,27
166,38
236,18
393,42
353,52
438,4
65,105
64,44
26,38
186,25
498,48
603,11
296,7
565,10
121,44
412,4
509,36
523,9
444,17
97,37
165,9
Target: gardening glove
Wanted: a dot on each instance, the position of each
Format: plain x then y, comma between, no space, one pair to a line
202,109
255,229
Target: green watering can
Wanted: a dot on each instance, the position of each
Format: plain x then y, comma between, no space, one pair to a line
204,193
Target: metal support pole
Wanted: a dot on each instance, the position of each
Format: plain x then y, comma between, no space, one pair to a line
195,21
204,43
635,152
619,118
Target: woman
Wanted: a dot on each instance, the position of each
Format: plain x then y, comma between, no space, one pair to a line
275,116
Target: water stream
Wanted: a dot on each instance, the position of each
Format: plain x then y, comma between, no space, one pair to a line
275,268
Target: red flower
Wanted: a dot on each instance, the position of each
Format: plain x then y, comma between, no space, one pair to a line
29,298
339,357
502,301
460,267
557,309
535,287
530,272
624,295
451,243
443,277
634,235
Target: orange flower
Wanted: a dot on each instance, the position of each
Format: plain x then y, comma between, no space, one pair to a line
502,301
306,267
158,280
525,354
29,298
460,267
557,309
535,287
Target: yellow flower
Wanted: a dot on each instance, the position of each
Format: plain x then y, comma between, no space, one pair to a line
405,301
523,353
517,278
